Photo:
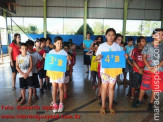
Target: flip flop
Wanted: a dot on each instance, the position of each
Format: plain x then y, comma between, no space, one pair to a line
112,111
102,111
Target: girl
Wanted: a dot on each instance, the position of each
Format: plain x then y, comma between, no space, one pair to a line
108,75
119,40
13,53
57,78
67,74
94,65
40,65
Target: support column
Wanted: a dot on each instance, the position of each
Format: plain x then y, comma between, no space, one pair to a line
124,19
85,18
162,15
45,22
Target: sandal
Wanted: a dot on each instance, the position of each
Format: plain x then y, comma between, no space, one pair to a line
23,101
30,102
19,99
102,111
112,111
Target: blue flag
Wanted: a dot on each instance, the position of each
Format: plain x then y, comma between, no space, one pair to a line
115,59
55,62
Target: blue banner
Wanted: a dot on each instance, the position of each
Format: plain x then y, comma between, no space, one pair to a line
55,62
115,59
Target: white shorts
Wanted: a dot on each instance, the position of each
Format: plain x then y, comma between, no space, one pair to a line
61,80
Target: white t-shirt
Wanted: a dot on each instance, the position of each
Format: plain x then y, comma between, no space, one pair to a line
24,64
61,52
35,58
105,48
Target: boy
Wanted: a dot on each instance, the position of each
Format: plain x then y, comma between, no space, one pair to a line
36,57
153,71
128,68
138,65
40,65
24,67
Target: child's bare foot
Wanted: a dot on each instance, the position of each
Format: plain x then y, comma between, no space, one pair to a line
102,111
23,101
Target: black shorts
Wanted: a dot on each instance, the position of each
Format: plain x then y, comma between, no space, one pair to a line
137,79
26,83
42,73
13,68
35,80
87,59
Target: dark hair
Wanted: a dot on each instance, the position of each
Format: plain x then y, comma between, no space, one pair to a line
122,42
57,38
37,40
49,39
30,43
118,35
23,44
42,40
157,30
65,45
140,38
98,43
110,29
99,37
73,44
130,39
15,36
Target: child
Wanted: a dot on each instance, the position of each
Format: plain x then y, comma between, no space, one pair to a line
128,68
67,74
36,57
153,71
57,78
73,60
94,65
107,76
118,40
138,65
24,67
40,65
49,43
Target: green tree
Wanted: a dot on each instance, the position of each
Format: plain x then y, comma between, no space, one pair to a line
81,30
147,27
98,28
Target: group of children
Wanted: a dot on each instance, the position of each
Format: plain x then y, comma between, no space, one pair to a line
30,65
140,63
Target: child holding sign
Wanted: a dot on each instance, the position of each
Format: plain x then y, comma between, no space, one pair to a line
57,78
108,81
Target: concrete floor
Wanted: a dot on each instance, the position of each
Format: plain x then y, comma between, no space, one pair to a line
81,102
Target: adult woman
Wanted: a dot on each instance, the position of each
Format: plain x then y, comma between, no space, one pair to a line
87,46
13,53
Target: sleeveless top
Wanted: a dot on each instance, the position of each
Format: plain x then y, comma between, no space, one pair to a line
24,64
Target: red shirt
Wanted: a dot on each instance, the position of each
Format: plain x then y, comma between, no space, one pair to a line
15,51
39,64
138,58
